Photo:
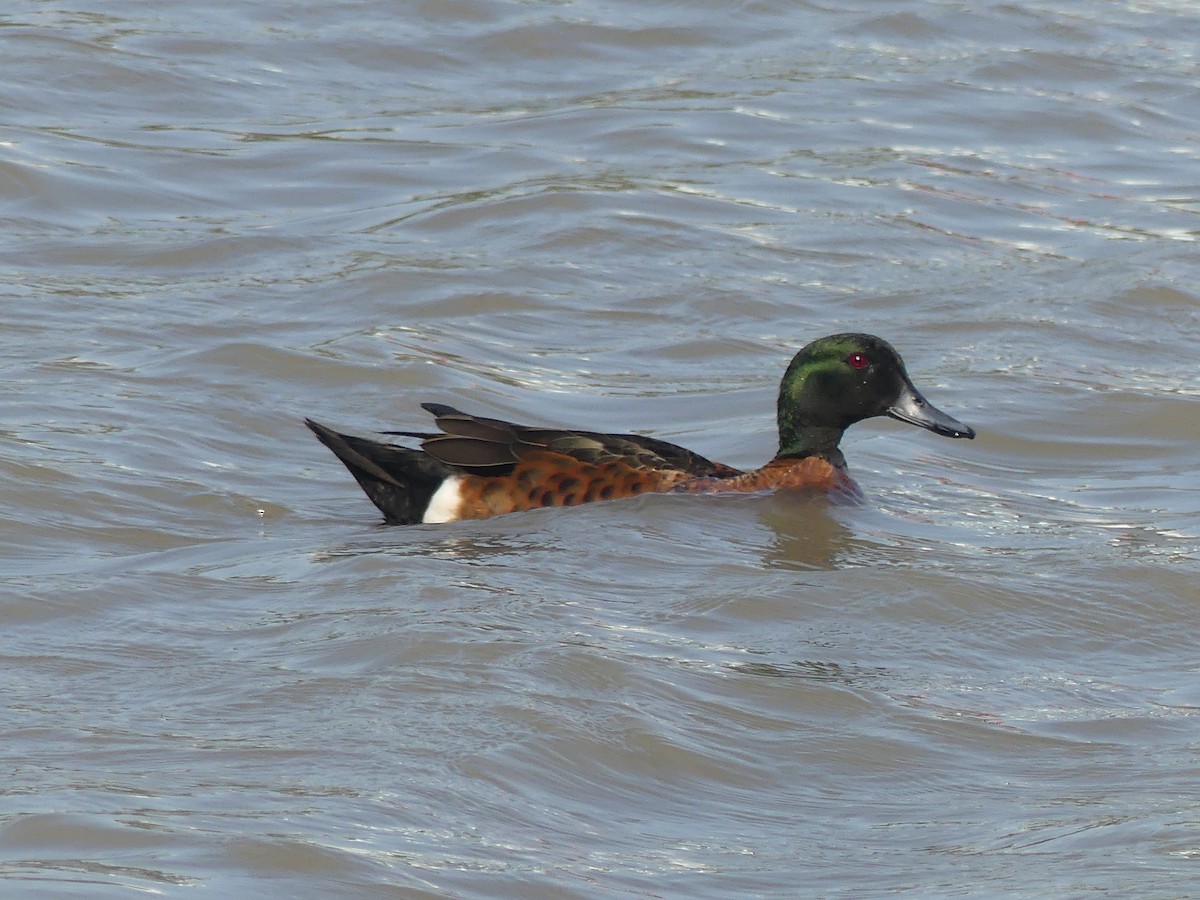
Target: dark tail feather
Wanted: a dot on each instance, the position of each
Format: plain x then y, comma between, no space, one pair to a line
399,480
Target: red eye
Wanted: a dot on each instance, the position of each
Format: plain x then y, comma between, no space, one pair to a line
858,360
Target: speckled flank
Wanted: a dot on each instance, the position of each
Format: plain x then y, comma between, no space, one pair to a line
778,474
551,479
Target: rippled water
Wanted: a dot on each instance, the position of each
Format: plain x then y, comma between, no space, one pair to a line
221,672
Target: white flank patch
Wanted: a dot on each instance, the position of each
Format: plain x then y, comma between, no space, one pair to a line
445,502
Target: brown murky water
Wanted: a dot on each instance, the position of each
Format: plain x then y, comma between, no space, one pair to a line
219,672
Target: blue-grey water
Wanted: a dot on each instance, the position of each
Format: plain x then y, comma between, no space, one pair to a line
222,677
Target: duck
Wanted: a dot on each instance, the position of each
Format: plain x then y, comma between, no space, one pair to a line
475,467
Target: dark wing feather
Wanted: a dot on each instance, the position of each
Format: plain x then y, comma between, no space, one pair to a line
472,453
493,447
681,458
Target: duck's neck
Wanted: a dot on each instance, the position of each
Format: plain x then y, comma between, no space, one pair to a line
813,441
808,414
804,441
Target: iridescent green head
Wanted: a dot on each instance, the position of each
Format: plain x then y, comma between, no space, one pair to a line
841,379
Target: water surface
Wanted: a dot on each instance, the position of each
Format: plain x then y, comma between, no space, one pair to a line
222,673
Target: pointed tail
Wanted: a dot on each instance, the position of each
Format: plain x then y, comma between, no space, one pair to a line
399,480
